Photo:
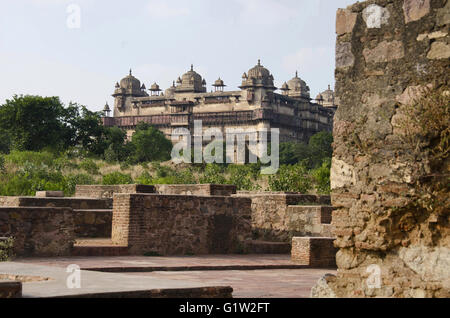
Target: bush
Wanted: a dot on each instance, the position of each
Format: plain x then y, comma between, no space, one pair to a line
243,177
89,166
213,174
71,181
6,249
115,178
321,177
2,163
293,178
36,158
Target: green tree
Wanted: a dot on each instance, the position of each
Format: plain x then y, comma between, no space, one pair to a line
35,123
150,144
320,147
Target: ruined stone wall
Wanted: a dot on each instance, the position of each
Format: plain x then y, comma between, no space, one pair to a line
271,220
93,223
74,203
391,209
107,191
196,189
179,225
38,231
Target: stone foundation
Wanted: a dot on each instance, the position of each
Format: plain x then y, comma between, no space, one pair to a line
272,218
314,251
107,191
196,189
177,225
10,289
38,231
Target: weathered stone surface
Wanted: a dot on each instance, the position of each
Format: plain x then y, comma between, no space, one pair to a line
50,194
344,55
39,231
10,289
443,15
376,16
384,52
345,21
322,288
273,218
197,189
415,9
342,174
439,50
384,177
107,191
313,251
432,35
178,225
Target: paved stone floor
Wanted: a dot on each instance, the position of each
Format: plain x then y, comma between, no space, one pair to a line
203,271
274,283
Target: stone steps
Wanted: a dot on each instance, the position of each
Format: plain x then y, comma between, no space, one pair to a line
98,247
266,247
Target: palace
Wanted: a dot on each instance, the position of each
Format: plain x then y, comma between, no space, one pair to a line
255,106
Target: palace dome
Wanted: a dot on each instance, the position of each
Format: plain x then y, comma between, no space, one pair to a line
298,87
130,82
259,71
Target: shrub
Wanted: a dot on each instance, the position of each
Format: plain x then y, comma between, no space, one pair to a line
6,249
243,177
89,166
36,158
321,177
293,178
213,174
76,179
115,178
2,163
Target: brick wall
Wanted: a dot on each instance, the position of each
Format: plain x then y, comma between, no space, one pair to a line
178,225
313,251
38,231
74,203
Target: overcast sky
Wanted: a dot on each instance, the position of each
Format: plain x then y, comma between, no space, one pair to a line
42,52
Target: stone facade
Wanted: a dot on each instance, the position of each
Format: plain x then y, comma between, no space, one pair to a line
38,231
255,106
383,56
177,225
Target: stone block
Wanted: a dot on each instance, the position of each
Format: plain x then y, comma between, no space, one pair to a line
10,289
384,52
344,55
50,194
345,21
376,16
439,50
415,9
314,251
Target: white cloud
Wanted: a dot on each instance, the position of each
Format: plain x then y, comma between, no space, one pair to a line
162,9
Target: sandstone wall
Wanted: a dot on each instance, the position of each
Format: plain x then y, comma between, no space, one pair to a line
93,223
177,225
74,203
196,189
38,231
392,211
107,191
271,220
